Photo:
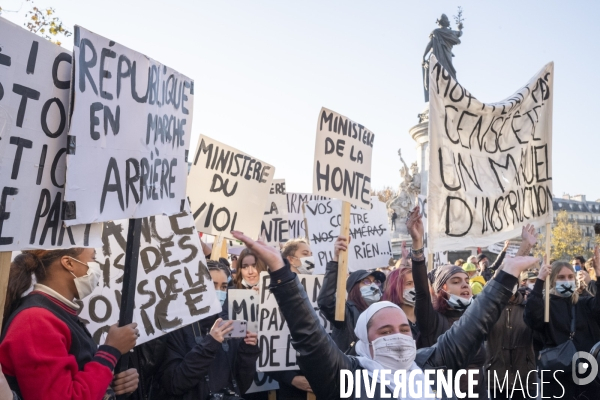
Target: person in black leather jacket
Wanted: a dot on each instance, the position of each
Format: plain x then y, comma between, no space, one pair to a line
322,361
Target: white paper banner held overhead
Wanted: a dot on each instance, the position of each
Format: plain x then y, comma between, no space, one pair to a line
35,77
274,338
490,164
295,214
342,167
439,257
275,221
174,287
370,244
228,189
129,135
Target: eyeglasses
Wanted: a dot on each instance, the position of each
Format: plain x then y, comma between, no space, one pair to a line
368,282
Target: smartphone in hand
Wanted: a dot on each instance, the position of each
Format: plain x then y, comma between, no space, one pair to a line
239,329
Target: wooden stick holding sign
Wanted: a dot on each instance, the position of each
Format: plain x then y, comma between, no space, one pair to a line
547,283
340,297
132,255
216,249
305,221
311,396
5,257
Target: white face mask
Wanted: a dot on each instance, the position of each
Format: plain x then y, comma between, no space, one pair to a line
458,303
307,265
530,286
396,352
409,296
565,288
370,293
86,284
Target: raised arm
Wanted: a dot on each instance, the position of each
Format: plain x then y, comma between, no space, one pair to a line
534,308
326,299
457,347
529,239
309,339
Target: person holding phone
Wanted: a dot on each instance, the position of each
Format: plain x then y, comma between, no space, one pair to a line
209,358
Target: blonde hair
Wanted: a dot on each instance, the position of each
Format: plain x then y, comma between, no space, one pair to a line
557,266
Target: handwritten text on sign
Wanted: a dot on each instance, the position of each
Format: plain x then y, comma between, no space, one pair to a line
295,213
129,135
274,339
275,221
343,159
35,78
173,287
490,164
228,189
369,230
439,257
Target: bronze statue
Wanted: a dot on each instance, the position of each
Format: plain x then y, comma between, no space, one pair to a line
440,44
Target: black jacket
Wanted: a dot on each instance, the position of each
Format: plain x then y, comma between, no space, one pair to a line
187,363
510,345
489,272
342,332
321,360
146,359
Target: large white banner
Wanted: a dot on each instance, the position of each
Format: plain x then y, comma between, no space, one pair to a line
174,287
129,134
490,164
35,80
228,189
274,338
369,230
295,213
343,159
274,226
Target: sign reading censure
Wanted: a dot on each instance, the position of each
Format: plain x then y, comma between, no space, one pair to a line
132,119
35,77
174,287
295,213
369,230
343,159
490,163
274,338
275,221
228,189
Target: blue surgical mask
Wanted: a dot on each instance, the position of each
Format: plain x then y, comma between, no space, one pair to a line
370,293
565,288
221,295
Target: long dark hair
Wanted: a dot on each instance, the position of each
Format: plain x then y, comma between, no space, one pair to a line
26,264
260,267
355,296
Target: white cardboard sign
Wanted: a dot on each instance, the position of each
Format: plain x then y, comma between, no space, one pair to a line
295,213
439,257
129,134
174,287
369,229
275,221
274,339
35,77
342,167
228,189
490,164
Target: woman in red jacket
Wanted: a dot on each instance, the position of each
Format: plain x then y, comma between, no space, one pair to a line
46,351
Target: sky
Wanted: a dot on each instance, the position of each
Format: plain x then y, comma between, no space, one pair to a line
264,68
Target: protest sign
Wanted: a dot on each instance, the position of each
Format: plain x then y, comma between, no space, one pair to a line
490,164
274,339
439,257
228,189
511,251
173,289
35,77
370,244
343,159
243,305
275,221
129,134
295,213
